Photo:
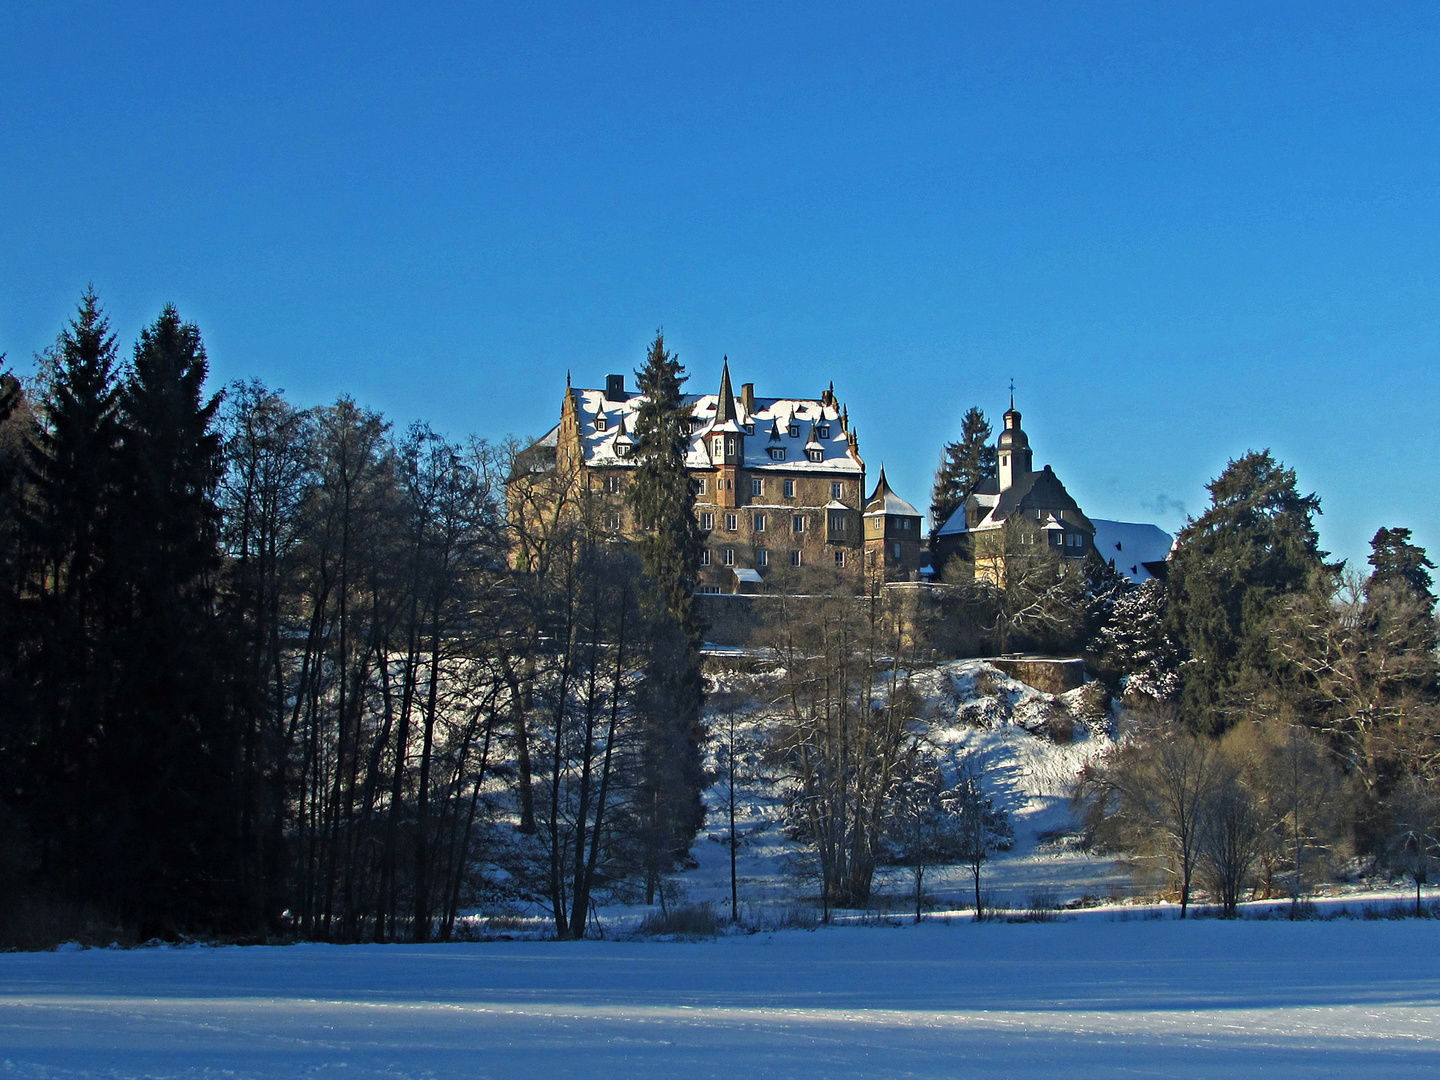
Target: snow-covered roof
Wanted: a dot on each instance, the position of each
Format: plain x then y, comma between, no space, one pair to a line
885,501
1128,546
816,427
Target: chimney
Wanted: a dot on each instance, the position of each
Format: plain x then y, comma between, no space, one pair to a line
747,398
615,388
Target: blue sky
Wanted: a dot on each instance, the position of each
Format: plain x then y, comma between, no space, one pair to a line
1185,230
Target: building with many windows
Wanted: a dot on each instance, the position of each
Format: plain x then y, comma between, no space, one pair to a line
779,482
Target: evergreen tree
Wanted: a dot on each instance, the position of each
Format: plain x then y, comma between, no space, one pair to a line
67,669
663,497
1399,563
1135,646
1231,569
169,763
963,465
661,492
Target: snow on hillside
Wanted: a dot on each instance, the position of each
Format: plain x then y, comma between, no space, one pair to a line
969,708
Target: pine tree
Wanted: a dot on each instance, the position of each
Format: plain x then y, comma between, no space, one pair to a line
1231,570
1398,562
1134,644
963,465
661,492
169,761
663,497
67,670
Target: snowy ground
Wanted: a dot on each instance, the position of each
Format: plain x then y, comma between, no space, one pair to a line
1088,997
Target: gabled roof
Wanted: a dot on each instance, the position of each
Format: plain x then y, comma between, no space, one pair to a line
1130,546
1033,491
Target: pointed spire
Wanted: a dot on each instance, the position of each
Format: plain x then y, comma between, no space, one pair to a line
567,378
725,409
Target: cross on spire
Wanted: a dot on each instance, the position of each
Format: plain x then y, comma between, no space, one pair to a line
1012,392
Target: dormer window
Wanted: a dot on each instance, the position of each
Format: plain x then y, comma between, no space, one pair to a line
815,455
777,453
794,430
600,422
823,431
622,449
750,429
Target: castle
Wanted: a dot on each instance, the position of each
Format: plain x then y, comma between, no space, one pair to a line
780,495
779,485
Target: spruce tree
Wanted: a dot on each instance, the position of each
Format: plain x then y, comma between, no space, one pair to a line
662,492
662,495
66,671
963,465
1231,569
169,759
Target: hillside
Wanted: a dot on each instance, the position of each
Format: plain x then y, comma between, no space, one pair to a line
1032,747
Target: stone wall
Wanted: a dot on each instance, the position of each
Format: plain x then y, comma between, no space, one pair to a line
1051,675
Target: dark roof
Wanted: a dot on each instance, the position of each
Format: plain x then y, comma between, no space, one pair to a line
1039,491
725,409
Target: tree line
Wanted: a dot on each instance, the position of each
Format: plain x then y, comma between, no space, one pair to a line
267,669
1281,710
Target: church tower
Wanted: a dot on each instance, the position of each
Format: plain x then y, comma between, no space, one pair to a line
1012,449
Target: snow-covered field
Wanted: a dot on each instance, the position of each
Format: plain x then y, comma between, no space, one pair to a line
1090,997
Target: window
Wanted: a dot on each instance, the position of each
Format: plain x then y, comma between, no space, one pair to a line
701,489
1071,540
757,522
876,524
612,522
840,559
789,484
794,558
732,522
612,485
704,556
836,490
762,557
696,424
837,523
823,431
709,588
777,453
750,429
797,523
622,449
897,550
719,444
794,431
600,422
757,486
730,445
727,556
815,455
707,522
